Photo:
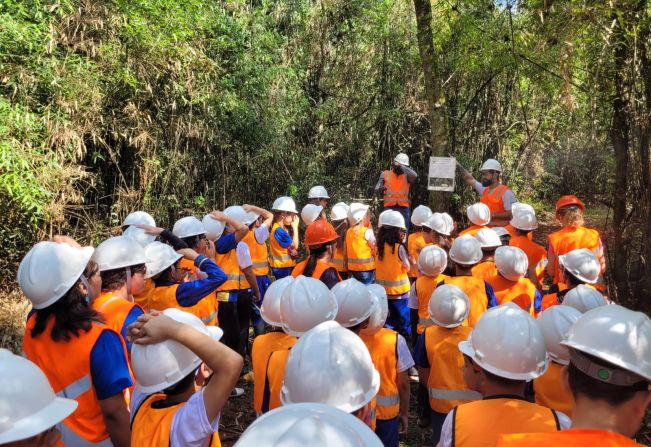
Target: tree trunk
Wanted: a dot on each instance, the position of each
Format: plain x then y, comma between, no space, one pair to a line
434,95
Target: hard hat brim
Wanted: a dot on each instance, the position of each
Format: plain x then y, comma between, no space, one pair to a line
55,412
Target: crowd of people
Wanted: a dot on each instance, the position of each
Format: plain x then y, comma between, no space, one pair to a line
141,341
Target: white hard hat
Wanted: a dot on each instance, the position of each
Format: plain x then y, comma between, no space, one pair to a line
554,323
139,235
507,342
270,308
251,216
139,218
448,306
238,214
330,365
310,213
318,192
391,218
339,211
159,256
308,424
491,165
213,227
420,215
49,270
118,252
161,365
501,231
356,212
582,264
380,309
402,159
284,203
354,302
488,238
584,298
524,217
511,262
466,250
432,260
616,335
479,214
306,302
188,226
28,405
439,223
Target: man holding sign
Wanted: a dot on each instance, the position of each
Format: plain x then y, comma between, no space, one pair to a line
498,197
395,184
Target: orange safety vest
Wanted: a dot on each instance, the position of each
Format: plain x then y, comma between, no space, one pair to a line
415,243
511,229
152,426
481,423
536,254
383,347
475,288
494,199
185,263
425,287
274,377
484,270
263,346
573,437
551,393
522,292
259,255
164,297
142,299
319,269
471,230
337,260
360,254
553,299
397,189
446,385
278,257
391,273
570,238
235,279
114,309
66,364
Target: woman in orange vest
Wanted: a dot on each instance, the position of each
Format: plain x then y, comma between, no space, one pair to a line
416,239
66,338
179,396
392,270
360,244
283,241
339,218
319,238
395,184
573,235
510,283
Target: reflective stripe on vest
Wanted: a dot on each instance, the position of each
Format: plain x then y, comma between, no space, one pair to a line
236,277
72,439
360,261
259,265
425,322
359,251
396,194
281,257
337,262
207,319
387,401
398,283
76,389
442,394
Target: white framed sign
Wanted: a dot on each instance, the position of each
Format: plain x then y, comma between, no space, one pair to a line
442,171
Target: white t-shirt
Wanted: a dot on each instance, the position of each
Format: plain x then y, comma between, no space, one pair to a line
404,256
243,255
413,298
508,199
405,360
370,236
190,425
261,234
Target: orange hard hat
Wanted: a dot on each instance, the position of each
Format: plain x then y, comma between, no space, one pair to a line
320,232
569,200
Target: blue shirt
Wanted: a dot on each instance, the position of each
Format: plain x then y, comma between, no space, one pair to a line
132,316
108,366
537,301
283,238
190,293
420,352
226,243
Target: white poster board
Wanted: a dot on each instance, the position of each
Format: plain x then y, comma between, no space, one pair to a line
442,171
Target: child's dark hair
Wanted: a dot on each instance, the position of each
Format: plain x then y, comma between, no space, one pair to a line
316,252
341,227
116,278
388,235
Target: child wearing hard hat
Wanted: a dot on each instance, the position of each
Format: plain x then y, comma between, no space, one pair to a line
504,351
339,218
416,239
510,284
360,244
318,195
549,389
194,233
65,337
183,380
310,213
488,240
609,377
283,241
479,216
440,364
392,269
320,237
524,223
576,267
438,230
304,304
465,253
266,344
573,235
363,310
29,409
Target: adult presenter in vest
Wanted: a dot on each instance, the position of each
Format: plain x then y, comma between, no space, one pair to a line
498,197
395,183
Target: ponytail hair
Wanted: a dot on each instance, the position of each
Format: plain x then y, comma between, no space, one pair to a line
388,235
316,252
